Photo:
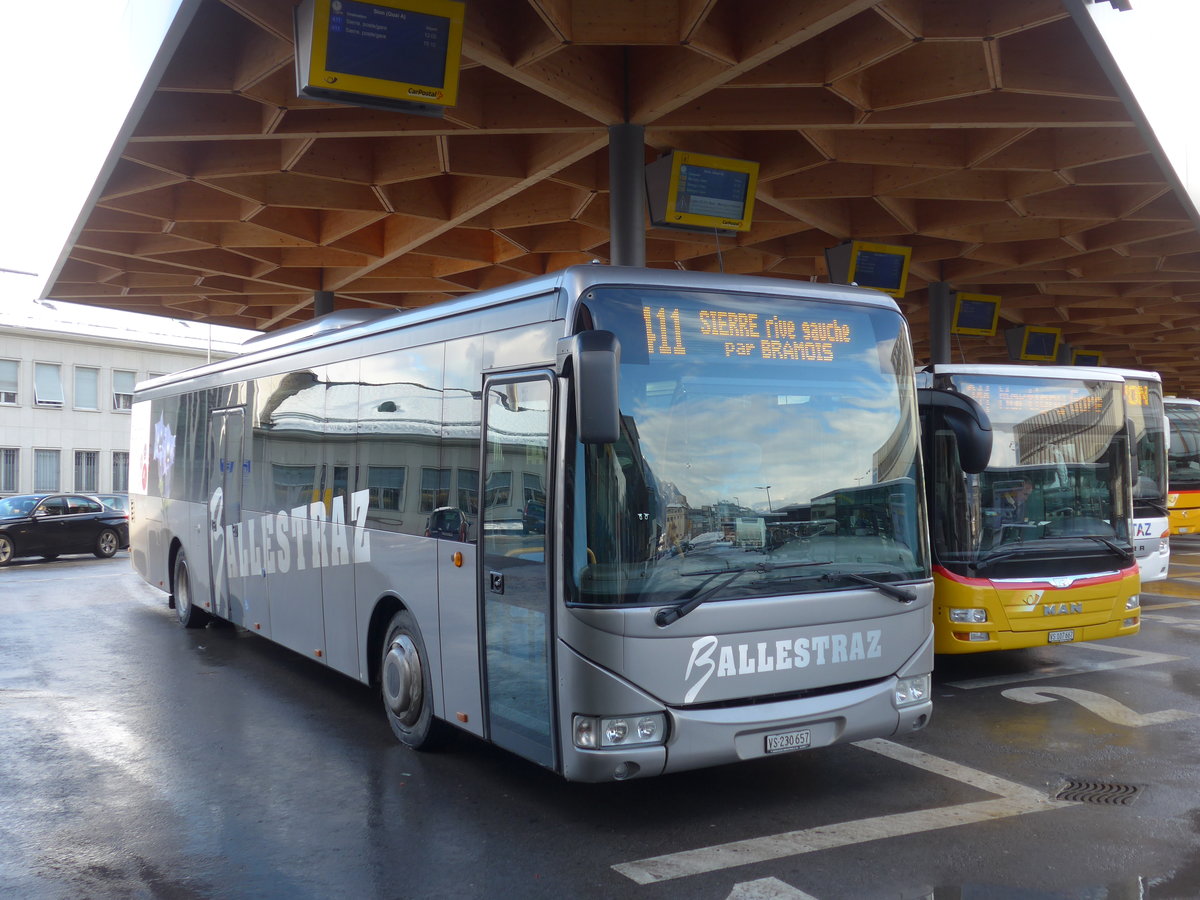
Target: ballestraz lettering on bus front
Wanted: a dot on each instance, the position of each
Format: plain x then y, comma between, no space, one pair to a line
710,657
307,537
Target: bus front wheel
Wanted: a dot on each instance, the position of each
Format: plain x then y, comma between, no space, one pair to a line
407,687
189,615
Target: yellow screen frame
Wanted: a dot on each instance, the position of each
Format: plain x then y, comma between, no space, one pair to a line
857,247
320,76
680,158
1040,329
1090,354
993,299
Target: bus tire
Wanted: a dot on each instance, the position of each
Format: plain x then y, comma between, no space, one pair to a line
108,542
190,616
407,687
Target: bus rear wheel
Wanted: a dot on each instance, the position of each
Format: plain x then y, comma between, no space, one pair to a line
189,615
407,687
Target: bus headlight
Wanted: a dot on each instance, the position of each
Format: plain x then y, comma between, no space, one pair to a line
600,733
968,615
1134,602
911,691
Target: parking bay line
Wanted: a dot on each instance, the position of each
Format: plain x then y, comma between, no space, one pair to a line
1132,658
1014,800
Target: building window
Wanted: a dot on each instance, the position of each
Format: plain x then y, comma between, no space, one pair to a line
123,389
435,489
385,485
87,388
120,480
8,380
468,491
87,471
498,490
47,385
9,459
45,470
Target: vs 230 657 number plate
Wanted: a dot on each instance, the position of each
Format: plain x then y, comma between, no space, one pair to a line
789,740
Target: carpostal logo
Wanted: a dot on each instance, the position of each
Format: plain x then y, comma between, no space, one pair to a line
427,93
307,537
712,658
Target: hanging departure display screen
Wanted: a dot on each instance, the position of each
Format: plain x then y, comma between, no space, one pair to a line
391,54
394,44
707,191
695,191
670,331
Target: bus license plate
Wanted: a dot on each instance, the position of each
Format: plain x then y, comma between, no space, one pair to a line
788,740
1061,637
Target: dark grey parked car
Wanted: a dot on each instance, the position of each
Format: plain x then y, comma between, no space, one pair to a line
46,525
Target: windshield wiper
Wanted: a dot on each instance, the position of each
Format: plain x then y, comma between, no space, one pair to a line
903,595
669,614
1110,544
1036,547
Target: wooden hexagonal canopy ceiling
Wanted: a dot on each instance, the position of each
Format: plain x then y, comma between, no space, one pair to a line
991,136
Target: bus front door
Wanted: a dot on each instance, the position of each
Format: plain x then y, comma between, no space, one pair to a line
226,462
516,606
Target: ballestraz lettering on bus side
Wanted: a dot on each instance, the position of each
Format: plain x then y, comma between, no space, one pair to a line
774,656
306,538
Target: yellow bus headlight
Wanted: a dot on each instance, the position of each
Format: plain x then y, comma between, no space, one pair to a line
968,615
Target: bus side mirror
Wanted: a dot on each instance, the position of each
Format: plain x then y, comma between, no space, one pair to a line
1131,443
971,426
594,357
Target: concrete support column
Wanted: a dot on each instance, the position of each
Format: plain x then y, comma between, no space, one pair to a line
941,315
627,194
322,303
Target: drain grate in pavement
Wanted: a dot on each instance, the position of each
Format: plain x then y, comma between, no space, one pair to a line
1099,792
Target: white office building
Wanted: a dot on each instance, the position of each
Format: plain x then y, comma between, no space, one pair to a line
67,374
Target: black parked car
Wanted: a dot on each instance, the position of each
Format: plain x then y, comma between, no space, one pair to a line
46,525
114,501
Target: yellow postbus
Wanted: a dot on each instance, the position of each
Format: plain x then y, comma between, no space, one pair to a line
1183,465
1031,544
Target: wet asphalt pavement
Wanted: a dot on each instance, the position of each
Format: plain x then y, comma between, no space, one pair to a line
140,760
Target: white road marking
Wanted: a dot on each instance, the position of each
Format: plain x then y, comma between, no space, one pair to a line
1015,800
1176,605
767,889
1132,658
1105,707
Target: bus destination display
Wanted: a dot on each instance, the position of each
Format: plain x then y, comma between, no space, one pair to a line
669,331
1137,394
1001,400
390,44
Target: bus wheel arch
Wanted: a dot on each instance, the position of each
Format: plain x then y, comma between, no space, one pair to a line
404,679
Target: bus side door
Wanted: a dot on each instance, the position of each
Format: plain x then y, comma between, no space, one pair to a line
516,601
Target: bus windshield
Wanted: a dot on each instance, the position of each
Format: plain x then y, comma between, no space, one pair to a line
1058,474
768,445
1183,460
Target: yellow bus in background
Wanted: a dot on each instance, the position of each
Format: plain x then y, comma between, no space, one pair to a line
1183,464
1031,543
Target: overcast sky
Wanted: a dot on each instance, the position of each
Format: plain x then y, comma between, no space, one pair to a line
75,67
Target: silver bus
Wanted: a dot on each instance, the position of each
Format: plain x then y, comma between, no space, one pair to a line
504,513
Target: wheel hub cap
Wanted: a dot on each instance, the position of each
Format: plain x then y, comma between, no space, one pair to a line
402,679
